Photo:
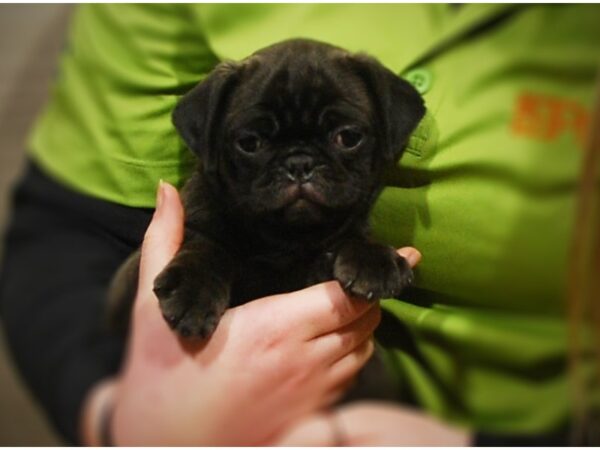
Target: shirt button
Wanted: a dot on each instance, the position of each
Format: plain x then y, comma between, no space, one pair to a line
420,79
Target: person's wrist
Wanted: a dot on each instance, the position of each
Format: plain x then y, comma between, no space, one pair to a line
97,414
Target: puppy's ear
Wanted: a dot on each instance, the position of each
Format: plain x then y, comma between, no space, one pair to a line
196,116
399,106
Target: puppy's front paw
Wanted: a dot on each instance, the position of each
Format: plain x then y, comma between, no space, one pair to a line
371,271
192,299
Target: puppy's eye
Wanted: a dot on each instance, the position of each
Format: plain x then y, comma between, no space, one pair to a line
348,138
249,143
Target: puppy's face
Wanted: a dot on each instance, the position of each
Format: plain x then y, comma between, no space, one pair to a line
299,132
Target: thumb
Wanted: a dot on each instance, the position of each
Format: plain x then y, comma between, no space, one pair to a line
163,237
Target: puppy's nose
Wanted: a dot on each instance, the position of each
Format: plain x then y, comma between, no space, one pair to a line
300,167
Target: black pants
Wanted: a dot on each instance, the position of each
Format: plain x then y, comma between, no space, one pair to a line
61,249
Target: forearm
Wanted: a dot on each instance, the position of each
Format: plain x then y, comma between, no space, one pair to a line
61,249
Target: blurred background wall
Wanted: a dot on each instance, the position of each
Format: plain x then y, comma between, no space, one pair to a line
31,37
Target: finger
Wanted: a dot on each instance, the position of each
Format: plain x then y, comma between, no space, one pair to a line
313,311
337,393
348,366
162,239
150,335
333,346
324,307
411,254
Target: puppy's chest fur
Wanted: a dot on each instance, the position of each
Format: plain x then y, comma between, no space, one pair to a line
267,259
258,277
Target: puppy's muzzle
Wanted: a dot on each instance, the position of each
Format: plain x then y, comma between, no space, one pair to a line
300,168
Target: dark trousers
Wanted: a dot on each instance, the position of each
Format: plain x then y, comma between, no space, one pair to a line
60,251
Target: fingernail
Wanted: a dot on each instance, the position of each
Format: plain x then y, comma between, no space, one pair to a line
160,193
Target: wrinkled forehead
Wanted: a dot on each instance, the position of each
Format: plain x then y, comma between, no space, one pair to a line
301,88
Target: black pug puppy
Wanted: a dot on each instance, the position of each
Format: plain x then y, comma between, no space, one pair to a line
292,142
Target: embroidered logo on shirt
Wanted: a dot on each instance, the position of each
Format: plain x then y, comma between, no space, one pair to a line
547,118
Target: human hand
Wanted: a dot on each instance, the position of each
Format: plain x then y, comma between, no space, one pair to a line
373,424
248,382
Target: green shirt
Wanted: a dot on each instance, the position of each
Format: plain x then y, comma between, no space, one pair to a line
486,188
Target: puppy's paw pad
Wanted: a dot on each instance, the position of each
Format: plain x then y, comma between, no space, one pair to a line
192,306
372,271
167,281
198,323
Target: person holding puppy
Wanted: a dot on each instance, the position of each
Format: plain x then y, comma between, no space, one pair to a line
485,190
242,387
